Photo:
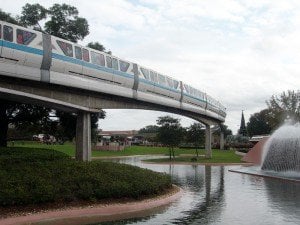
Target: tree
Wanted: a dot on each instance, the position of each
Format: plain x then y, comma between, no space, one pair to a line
283,107
32,14
97,46
259,123
149,129
7,17
21,115
65,23
170,133
243,130
196,135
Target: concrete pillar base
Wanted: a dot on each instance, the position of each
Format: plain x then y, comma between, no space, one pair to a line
83,136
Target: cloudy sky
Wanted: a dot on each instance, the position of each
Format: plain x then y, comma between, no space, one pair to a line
240,52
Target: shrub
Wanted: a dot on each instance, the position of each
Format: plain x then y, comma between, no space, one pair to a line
32,176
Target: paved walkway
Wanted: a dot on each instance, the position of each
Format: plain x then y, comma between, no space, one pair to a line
96,213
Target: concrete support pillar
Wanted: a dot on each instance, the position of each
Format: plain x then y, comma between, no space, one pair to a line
221,141
83,136
208,141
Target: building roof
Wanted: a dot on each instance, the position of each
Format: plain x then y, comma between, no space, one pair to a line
117,132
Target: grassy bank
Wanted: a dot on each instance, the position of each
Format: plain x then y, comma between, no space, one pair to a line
218,156
34,176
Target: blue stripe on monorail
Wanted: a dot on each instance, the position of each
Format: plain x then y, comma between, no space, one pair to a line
158,85
23,48
190,96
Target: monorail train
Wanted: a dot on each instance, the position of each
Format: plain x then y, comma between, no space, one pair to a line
31,54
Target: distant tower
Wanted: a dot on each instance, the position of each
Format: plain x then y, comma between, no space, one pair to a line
243,130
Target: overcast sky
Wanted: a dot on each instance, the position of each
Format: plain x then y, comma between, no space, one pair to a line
239,52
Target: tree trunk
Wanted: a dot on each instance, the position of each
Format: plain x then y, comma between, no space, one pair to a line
197,152
3,124
170,153
173,152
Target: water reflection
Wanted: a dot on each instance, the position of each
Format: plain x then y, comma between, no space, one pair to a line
289,198
212,195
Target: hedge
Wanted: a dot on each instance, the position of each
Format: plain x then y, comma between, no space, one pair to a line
34,176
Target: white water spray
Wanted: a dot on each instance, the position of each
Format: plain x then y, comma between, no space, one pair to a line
281,153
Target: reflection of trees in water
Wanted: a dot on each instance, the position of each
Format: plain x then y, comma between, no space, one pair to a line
211,207
284,196
188,177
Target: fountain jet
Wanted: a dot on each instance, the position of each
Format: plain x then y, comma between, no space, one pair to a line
281,153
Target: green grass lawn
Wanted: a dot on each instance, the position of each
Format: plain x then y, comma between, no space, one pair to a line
219,156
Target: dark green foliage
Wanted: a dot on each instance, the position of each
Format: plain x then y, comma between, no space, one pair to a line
32,14
149,129
7,17
65,23
170,133
259,123
282,107
96,45
31,176
196,135
243,130
24,117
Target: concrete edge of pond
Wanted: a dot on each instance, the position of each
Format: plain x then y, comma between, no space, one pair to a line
199,163
265,175
98,212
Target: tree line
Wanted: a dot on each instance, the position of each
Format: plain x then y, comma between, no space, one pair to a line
280,108
170,133
63,21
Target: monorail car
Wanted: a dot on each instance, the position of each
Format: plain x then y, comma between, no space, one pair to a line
31,54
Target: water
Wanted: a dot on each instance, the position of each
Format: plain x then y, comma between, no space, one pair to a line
281,153
213,195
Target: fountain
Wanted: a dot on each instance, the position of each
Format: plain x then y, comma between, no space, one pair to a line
280,155
281,152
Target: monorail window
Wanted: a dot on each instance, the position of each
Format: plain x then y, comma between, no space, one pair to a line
170,82
8,33
187,88
124,66
97,58
24,37
102,60
176,83
153,77
66,48
0,31
78,53
115,64
85,55
201,94
161,79
192,91
145,73
108,62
